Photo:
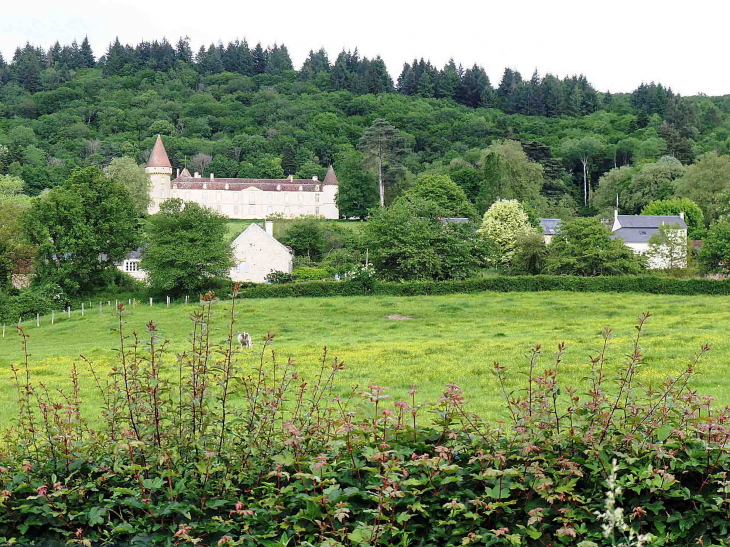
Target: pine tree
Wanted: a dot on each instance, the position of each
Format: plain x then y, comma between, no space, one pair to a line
448,81
86,55
116,58
76,61
260,61
340,75
288,159
401,82
183,52
377,78
425,85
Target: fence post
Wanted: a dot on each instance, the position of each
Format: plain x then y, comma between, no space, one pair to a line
53,316
130,302
150,302
3,331
116,304
69,312
20,321
186,299
168,301
134,302
109,303
82,309
100,307
37,319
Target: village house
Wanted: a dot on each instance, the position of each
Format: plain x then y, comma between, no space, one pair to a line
635,231
242,198
256,253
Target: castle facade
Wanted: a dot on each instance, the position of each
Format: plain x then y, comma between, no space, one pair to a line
242,198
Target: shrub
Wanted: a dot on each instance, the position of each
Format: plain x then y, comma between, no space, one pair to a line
504,223
714,255
173,461
278,277
310,274
530,254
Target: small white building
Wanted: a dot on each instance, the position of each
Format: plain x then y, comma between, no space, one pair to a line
550,227
636,231
257,253
130,265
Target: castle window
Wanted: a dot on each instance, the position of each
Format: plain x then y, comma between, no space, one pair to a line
286,198
269,210
316,211
218,196
218,208
174,194
235,209
316,198
205,196
269,197
301,197
251,198
187,196
252,210
235,197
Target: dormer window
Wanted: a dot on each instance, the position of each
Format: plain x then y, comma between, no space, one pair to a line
205,186
227,187
301,187
278,186
316,188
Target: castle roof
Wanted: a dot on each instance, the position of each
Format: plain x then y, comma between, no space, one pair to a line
185,174
330,177
158,157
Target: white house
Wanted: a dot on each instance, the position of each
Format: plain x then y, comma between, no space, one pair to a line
636,231
256,254
242,198
130,265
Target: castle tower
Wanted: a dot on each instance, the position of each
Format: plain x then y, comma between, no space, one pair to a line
159,170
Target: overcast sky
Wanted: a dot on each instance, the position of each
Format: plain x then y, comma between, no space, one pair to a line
616,43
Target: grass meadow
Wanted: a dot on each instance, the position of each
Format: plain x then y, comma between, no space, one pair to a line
433,341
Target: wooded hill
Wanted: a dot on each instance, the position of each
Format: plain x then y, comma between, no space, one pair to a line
237,110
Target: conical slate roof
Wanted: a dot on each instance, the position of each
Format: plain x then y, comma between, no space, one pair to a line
158,157
330,177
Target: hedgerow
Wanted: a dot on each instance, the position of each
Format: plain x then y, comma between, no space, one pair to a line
644,284
197,448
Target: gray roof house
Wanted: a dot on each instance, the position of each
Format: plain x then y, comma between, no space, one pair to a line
550,227
636,231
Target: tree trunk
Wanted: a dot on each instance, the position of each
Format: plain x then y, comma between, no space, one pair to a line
585,182
380,181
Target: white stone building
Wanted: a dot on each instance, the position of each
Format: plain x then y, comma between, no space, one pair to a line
636,231
256,254
242,198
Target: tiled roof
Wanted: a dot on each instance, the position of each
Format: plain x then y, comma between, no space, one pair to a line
330,177
268,185
158,157
550,226
635,235
650,221
185,174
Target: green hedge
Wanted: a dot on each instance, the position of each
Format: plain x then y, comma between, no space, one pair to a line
625,284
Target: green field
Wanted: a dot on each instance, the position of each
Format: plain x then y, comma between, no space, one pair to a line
447,339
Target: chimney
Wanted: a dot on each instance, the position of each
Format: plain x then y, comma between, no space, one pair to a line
211,177
314,177
269,225
681,215
197,175
290,178
615,215
178,173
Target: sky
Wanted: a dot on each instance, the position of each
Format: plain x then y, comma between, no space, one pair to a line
617,44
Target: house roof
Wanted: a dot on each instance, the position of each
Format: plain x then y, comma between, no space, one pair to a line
185,173
550,226
330,177
158,156
650,221
236,185
254,227
635,235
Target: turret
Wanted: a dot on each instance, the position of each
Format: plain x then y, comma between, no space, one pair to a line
159,170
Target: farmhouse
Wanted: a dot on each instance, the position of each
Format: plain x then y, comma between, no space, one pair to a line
242,198
256,254
636,231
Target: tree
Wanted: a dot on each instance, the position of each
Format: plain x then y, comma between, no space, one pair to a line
289,159
409,241
81,229
503,224
382,145
714,255
612,187
584,247
358,189
530,254
15,251
199,162
86,55
653,181
584,150
509,174
445,193
468,180
135,180
707,183
668,248
186,247
693,216
11,190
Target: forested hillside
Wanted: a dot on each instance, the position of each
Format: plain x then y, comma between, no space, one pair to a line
237,110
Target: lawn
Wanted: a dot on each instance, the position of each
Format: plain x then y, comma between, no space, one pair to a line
435,341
